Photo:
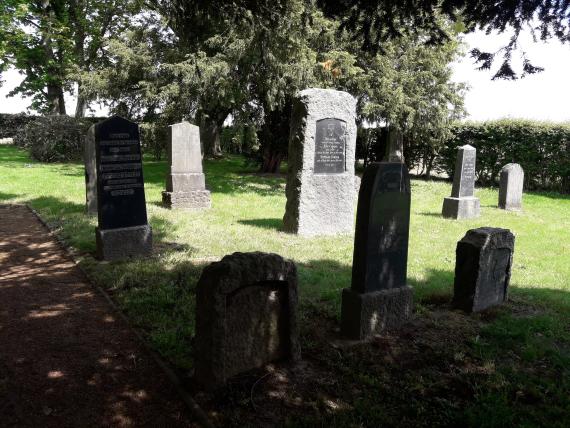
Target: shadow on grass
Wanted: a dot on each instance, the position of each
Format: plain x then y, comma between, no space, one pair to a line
431,214
264,223
7,196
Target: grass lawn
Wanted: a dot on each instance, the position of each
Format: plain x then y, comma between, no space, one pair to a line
508,366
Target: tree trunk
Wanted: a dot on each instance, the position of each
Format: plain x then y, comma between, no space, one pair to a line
210,130
82,104
55,99
271,163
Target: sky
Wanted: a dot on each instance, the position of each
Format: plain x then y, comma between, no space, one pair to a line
543,96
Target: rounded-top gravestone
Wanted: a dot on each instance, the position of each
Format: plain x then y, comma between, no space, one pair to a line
511,187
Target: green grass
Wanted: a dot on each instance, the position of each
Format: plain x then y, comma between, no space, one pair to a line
158,293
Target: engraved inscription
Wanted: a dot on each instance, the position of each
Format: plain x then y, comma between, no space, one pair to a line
330,147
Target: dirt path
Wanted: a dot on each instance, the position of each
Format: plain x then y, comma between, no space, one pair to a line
66,359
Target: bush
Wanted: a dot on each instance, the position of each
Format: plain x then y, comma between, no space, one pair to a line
54,138
541,148
154,138
11,124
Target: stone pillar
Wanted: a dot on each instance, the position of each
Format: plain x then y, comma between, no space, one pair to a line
185,182
90,172
123,229
320,179
511,187
483,268
462,204
379,296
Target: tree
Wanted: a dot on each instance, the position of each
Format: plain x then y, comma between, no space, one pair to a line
378,21
52,41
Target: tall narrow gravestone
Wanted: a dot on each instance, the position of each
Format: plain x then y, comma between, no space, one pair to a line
511,187
90,172
462,204
379,296
483,268
185,182
123,229
320,181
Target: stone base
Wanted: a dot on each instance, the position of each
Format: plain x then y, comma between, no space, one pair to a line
125,242
510,207
195,199
366,314
460,208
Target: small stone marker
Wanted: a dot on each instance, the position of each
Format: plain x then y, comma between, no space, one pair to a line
511,187
379,296
462,204
320,180
90,158
185,183
123,229
483,268
246,316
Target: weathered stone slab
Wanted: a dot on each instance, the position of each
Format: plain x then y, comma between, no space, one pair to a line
320,181
123,229
484,258
185,182
511,187
462,204
246,316
379,296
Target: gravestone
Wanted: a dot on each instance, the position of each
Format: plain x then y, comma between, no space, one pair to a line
483,268
511,187
185,182
123,229
246,316
462,204
90,155
379,296
320,179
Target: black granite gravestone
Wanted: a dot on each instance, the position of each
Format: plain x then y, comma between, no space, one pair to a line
483,268
379,296
330,146
121,205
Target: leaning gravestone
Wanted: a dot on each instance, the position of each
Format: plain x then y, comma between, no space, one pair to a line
379,296
123,229
246,316
185,182
511,187
462,204
90,155
483,268
320,181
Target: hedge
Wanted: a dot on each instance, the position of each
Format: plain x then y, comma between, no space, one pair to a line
11,124
54,138
541,148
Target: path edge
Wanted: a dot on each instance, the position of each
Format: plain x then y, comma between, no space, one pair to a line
174,379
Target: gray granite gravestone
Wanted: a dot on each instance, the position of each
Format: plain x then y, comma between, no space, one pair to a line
320,179
379,296
511,187
483,268
123,230
246,316
462,204
90,155
185,182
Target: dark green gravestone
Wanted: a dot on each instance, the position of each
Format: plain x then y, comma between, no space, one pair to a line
379,296
123,229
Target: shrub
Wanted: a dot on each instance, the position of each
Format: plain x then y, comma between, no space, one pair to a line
154,137
54,138
541,148
11,124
